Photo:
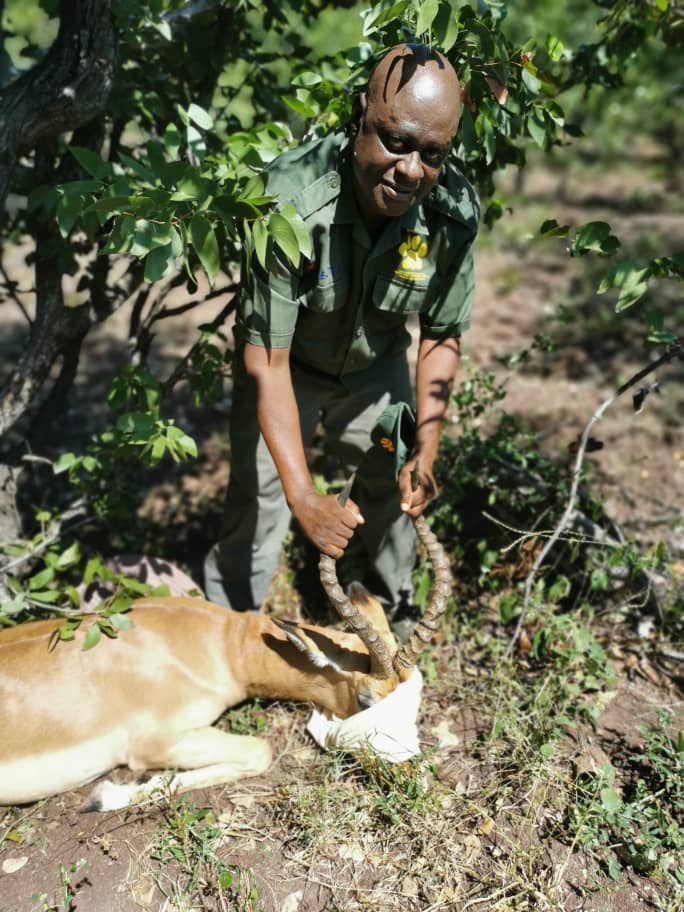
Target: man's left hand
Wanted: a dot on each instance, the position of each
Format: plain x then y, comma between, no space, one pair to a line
415,497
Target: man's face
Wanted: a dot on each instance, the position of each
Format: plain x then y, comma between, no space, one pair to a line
401,143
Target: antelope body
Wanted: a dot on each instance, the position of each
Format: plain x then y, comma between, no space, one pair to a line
147,699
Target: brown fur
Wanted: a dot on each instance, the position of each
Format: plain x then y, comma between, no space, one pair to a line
147,699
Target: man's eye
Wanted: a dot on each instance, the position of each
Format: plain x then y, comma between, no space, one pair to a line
393,143
433,159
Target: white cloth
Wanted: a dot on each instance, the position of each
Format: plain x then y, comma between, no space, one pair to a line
388,728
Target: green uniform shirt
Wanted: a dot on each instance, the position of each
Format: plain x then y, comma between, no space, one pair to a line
348,305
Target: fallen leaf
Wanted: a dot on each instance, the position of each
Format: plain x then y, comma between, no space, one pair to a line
444,735
499,91
473,846
410,886
291,902
487,826
143,892
10,865
353,851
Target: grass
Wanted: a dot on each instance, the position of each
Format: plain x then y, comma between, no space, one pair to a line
190,872
506,816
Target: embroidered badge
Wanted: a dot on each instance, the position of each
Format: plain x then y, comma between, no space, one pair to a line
387,444
412,251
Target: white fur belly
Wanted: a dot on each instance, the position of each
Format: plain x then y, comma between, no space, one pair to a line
34,776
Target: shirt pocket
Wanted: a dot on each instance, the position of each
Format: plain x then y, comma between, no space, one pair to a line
400,297
326,297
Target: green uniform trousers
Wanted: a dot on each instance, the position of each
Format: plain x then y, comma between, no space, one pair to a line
239,568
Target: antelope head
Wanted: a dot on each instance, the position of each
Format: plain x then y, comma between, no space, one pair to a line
371,676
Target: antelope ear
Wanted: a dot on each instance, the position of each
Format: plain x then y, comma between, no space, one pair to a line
306,645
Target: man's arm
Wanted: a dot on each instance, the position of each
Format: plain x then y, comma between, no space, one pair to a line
328,525
435,371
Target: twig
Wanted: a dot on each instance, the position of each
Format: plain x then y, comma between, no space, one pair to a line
676,351
574,537
53,533
179,371
11,287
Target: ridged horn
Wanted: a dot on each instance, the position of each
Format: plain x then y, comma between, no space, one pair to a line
442,584
381,660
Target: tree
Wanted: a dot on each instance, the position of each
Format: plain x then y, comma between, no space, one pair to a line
154,125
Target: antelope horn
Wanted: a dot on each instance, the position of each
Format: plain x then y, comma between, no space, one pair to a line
439,595
381,660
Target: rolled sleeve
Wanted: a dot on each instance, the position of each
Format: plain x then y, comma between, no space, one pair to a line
268,308
449,313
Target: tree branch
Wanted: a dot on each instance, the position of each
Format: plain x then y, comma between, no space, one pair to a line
566,518
67,88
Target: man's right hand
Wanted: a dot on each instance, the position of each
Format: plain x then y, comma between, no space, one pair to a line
328,525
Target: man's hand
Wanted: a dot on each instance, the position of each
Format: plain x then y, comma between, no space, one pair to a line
417,486
328,525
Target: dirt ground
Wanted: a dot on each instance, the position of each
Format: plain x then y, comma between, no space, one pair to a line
261,827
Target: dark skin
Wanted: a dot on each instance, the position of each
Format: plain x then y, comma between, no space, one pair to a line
402,131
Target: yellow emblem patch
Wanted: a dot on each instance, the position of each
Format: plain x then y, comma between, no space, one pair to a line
412,251
387,444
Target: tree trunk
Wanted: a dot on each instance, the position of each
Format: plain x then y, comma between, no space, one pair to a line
67,88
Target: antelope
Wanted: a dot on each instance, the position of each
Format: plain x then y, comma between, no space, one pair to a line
147,699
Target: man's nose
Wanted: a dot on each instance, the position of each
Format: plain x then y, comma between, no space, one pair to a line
410,167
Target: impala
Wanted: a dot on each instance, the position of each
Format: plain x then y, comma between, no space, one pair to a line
147,699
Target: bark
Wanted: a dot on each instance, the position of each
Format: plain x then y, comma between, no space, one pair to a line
67,88
10,522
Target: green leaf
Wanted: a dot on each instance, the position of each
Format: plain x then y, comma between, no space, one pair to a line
172,140
202,237
40,580
536,127
610,799
532,84
427,11
65,462
554,47
159,263
594,236
599,580
299,228
307,79
260,235
550,228
285,237
68,558
91,162
47,597
117,203
159,447
300,107
145,174
69,210
92,637
380,14
121,621
631,282
200,117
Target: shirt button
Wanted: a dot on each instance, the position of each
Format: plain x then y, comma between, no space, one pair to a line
334,181
359,333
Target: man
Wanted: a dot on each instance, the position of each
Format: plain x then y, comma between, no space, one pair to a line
392,225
